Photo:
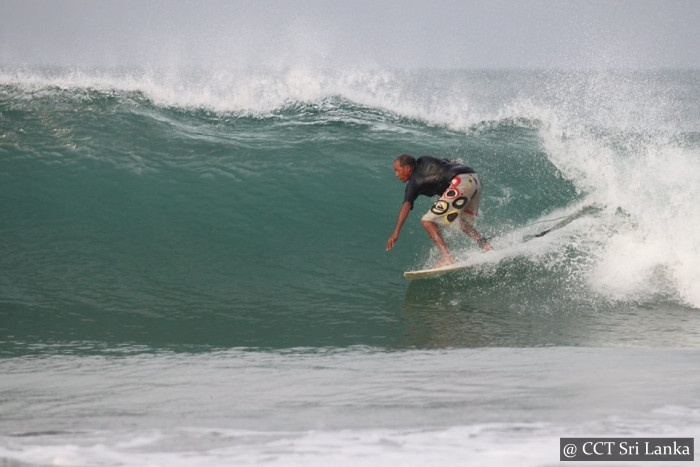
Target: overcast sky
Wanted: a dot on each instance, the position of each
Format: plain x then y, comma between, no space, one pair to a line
353,33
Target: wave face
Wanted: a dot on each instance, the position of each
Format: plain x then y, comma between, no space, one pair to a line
249,208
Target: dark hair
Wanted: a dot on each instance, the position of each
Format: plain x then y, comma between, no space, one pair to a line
406,159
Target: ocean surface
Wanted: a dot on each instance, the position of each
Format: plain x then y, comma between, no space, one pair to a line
193,268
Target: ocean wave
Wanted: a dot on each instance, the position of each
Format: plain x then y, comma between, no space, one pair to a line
122,198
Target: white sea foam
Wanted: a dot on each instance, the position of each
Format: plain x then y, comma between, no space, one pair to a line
649,176
496,444
487,445
260,91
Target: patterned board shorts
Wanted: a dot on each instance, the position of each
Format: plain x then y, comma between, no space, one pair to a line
459,201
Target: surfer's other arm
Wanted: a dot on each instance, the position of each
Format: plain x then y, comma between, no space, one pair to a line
403,214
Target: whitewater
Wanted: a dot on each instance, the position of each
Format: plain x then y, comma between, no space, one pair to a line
193,266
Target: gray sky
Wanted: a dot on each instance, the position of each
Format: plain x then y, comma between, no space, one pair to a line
353,33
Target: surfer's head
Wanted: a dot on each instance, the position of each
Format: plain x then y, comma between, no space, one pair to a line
403,166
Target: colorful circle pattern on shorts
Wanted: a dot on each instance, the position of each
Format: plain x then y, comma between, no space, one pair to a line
461,199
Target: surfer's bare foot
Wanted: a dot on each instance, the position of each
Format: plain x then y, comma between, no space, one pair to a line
484,244
444,261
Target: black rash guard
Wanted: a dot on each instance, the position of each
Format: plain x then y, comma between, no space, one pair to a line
431,176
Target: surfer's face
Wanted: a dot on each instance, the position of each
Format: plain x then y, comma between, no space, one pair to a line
403,173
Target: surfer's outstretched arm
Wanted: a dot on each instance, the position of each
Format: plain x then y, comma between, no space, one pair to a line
403,215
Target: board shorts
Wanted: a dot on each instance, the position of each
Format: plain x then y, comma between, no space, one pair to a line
459,201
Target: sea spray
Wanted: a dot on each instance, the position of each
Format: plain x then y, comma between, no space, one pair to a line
623,151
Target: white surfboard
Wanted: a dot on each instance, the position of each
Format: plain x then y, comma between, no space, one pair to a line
434,272
497,255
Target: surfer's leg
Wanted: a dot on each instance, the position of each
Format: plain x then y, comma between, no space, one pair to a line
434,232
470,188
471,231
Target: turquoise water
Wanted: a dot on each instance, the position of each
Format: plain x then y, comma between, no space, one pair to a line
162,228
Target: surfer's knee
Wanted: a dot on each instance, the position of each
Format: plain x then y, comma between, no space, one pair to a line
429,225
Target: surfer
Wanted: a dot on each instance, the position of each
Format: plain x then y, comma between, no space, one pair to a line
460,190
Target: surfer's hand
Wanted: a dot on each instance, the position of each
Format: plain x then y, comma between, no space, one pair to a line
391,242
